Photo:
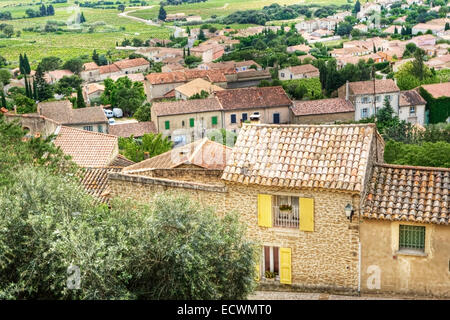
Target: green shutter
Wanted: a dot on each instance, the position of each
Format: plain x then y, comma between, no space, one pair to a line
411,237
214,120
167,125
191,122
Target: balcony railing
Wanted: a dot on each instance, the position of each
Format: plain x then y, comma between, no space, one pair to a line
285,218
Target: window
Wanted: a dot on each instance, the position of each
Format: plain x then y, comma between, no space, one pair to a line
167,125
388,97
411,238
214,120
271,261
365,100
412,110
191,122
364,113
377,98
233,118
88,128
282,74
286,212
182,123
100,128
244,117
276,118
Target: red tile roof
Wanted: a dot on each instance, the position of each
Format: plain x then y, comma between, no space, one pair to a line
185,75
322,106
366,87
110,68
61,111
87,148
245,98
406,193
136,129
438,90
304,68
411,98
131,63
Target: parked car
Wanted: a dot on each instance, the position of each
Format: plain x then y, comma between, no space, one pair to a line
118,112
111,121
108,113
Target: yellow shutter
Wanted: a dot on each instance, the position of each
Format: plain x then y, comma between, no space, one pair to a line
306,214
285,266
265,210
258,271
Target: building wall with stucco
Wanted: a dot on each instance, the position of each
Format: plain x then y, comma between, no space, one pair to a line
386,269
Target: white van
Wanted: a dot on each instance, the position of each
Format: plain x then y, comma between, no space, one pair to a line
108,113
118,112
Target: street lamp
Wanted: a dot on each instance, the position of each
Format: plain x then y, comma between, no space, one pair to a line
349,211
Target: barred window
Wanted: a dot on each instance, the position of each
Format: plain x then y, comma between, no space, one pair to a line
412,237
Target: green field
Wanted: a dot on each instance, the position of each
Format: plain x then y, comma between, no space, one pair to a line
73,44
223,7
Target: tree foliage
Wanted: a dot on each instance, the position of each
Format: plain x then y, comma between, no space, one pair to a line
151,144
124,94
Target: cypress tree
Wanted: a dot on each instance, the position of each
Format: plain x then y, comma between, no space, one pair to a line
162,14
27,87
34,90
3,101
43,89
80,99
43,11
26,64
95,57
82,18
22,70
50,10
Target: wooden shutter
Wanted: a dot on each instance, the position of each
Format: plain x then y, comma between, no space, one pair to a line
285,266
306,214
265,210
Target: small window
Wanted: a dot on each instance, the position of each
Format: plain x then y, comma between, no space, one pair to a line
364,113
244,117
191,122
282,74
276,118
182,123
412,238
412,110
214,120
389,97
271,262
233,118
100,128
167,125
88,128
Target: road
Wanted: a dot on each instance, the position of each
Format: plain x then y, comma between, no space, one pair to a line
148,22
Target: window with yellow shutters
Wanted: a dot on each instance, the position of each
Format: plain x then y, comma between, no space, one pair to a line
265,210
285,266
306,214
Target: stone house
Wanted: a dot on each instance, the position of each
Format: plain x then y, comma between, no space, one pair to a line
368,97
54,76
239,66
290,185
407,210
424,40
424,27
157,85
208,53
321,111
138,65
92,72
135,129
368,9
61,111
298,72
184,121
268,104
92,93
412,107
300,47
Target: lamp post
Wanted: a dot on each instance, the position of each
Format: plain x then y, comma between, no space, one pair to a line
348,211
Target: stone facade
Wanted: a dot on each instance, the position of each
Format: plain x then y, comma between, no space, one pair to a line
385,269
323,118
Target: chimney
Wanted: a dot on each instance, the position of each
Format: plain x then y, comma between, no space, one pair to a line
346,90
255,119
146,155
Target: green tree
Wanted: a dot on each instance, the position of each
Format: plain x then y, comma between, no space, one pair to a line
426,154
153,144
418,65
95,57
5,77
121,7
191,61
24,104
8,31
75,65
50,63
124,94
222,136
80,98
26,64
162,13
143,113
43,90
67,84
357,7
82,18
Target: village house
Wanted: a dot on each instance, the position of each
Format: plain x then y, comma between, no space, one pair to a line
291,185
92,72
134,77
361,27
439,63
171,67
175,17
185,121
135,129
300,47
160,54
424,40
368,9
306,59
92,93
208,53
424,27
239,66
351,51
157,85
298,72
268,104
412,107
321,111
51,77
196,86
407,210
128,66
368,97
61,111
342,61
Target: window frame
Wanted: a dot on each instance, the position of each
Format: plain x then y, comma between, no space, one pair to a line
167,125
233,118
191,122
411,238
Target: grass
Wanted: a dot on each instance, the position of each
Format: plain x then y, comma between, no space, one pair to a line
72,44
217,7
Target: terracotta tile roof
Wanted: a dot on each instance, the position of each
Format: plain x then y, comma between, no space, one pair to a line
186,106
121,161
322,106
411,98
135,77
304,68
245,98
404,193
203,153
185,75
94,87
302,156
136,129
95,181
90,66
110,68
438,90
366,87
197,86
61,111
131,63
87,148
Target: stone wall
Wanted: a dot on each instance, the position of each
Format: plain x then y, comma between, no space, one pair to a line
323,118
186,173
423,275
34,123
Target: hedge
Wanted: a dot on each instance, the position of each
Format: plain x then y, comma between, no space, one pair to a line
439,108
